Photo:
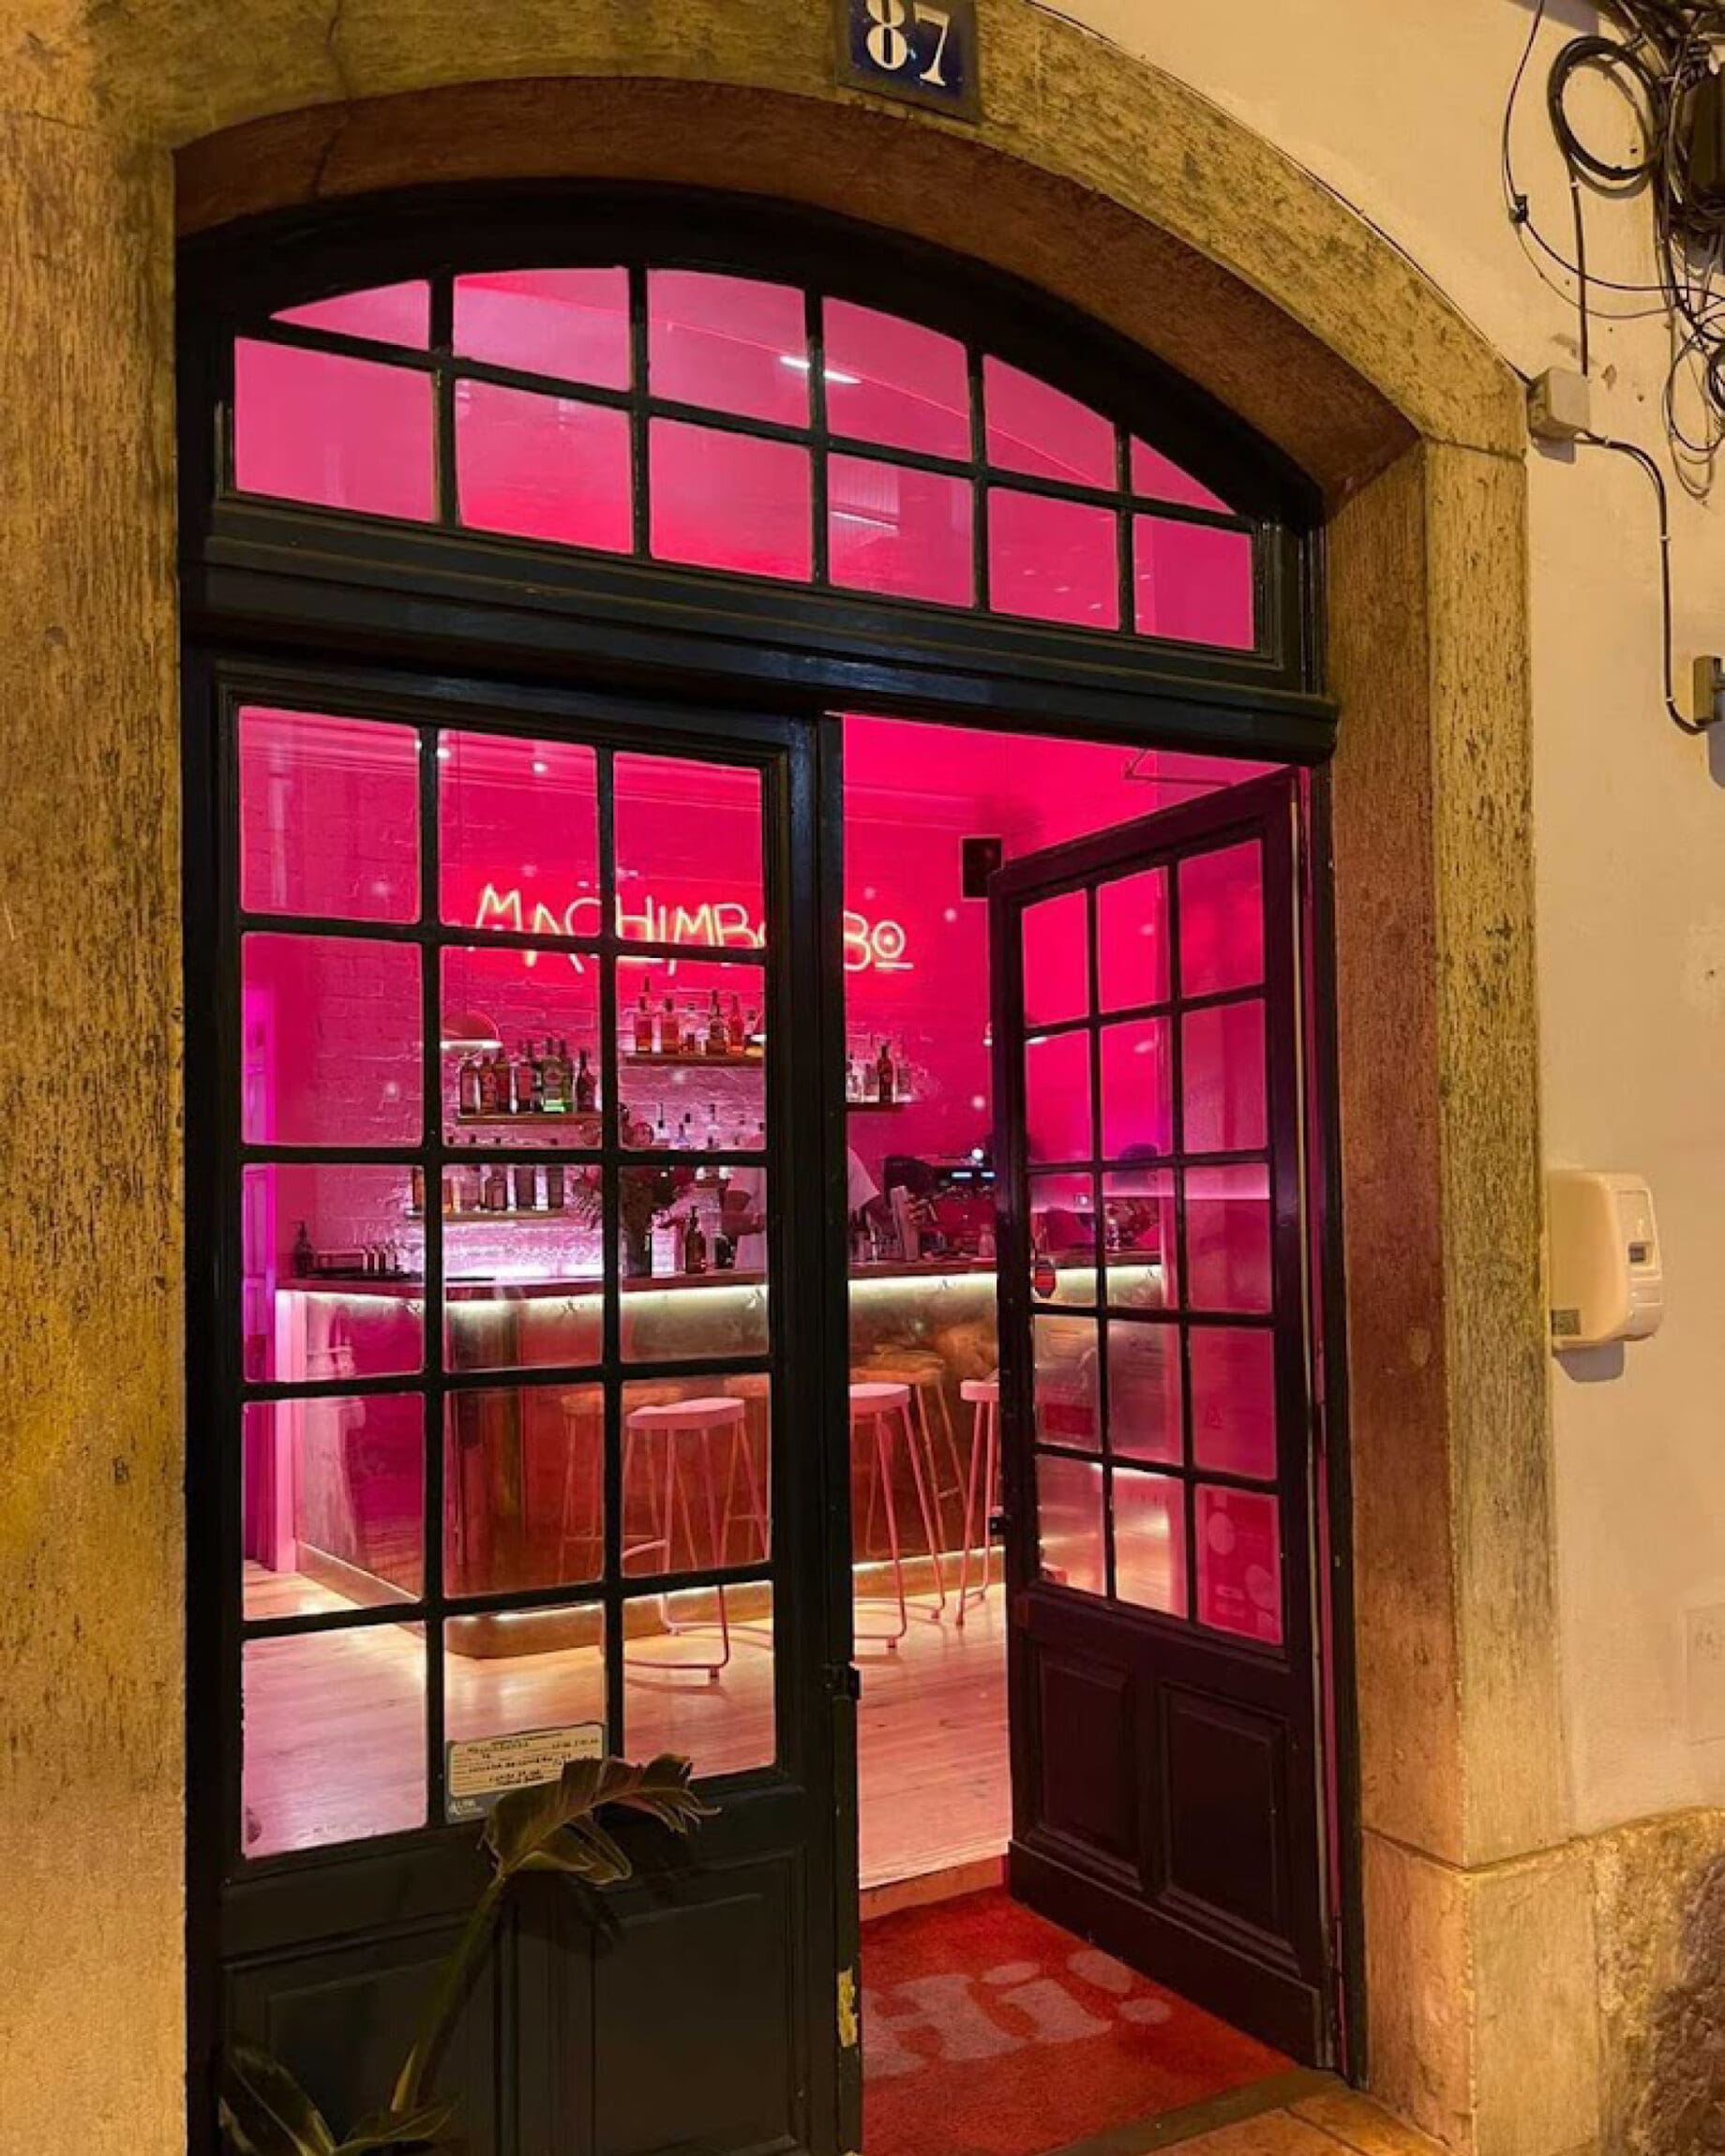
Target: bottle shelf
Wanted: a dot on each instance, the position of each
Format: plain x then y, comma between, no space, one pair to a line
877,1107
751,1059
545,1215
569,1119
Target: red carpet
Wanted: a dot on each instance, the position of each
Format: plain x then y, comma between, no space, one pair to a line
989,2032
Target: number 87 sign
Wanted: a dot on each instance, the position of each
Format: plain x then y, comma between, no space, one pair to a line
922,50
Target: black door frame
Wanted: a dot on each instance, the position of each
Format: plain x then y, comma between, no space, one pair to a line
273,585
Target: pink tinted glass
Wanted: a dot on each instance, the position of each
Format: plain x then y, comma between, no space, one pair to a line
1067,1409
723,1729
1193,583
518,834
894,382
1057,960
332,1478
329,817
1144,1392
1063,1228
1138,1090
689,854
1234,1399
1239,1562
491,1690
1150,1541
571,323
544,467
344,433
729,501
1035,428
1132,930
335,1737
1162,480
546,1528
1139,1203
1221,920
1222,1078
1057,1097
1227,1239
1052,560
331,1048
731,343
329,1322
895,530
1070,1523
388,313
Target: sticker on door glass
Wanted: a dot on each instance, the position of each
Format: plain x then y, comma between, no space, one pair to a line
479,1770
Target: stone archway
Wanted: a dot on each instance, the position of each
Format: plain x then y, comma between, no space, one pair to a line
1130,196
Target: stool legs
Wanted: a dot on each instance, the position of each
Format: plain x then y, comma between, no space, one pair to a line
668,1500
985,1473
882,1458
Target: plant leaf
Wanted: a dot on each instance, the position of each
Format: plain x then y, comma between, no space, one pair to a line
525,1824
426,2126
265,2111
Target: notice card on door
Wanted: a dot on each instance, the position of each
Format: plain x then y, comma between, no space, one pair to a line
482,1769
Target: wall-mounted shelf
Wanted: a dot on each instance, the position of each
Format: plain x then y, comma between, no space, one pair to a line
570,1120
878,1107
752,1060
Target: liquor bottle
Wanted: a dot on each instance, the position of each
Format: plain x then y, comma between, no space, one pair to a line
739,1031
886,1076
554,1187
712,1126
490,1100
529,1093
685,1138
694,1243
643,1020
525,1180
496,1190
554,1080
718,1033
694,1040
586,1088
661,1130
304,1257
467,1095
755,1029
417,1203
669,1042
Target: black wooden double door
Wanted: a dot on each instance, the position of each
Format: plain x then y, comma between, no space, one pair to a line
441,1491
1156,1405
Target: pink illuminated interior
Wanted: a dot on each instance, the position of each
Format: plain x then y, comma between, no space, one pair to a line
546,399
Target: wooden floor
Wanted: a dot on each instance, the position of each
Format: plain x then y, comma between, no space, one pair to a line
335,1744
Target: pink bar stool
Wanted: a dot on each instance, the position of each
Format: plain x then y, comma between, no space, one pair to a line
669,1495
983,1396
880,1412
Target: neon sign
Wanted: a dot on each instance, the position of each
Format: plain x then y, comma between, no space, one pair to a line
714,925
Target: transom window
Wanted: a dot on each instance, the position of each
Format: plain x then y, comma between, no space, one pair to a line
731,424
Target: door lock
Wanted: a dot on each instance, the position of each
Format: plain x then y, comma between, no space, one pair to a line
998,1524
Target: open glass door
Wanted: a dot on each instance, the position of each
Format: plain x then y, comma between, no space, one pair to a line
1155,1404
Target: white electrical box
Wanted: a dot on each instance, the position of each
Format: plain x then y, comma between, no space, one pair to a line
1607,1272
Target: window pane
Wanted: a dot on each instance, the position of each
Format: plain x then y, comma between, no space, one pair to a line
729,501
1159,478
334,1729
1069,1522
333,1503
1057,960
521,1055
1239,1562
544,467
519,834
1221,920
689,855
1227,1239
894,529
1052,560
519,1669
1131,940
333,1273
344,433
1067,1406
572,322
391,313
523,1487
1150,1541
331,1049
896,382
673,1701
728,342
692,1056
1234,1399
1057,1097
1063,1230
521,1286
696,1473
1144,1392
1222,1078
329,817
1139,1217
1193,583
1138,1090
1035,428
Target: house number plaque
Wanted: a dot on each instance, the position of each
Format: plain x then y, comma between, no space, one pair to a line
922,52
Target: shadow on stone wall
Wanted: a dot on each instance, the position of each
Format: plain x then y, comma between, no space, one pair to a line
1682,2112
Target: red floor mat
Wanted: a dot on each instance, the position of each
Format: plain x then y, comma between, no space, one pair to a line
988,2031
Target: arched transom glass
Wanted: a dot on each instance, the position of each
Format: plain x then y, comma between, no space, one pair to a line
729,424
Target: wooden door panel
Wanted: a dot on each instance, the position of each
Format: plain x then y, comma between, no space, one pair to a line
1225,1805
1090,1783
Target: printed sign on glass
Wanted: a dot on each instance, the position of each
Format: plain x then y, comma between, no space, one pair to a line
482,1769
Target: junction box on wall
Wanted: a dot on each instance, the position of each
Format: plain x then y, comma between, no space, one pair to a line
1607,1271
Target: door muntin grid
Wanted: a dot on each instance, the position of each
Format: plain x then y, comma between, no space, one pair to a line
458,1358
